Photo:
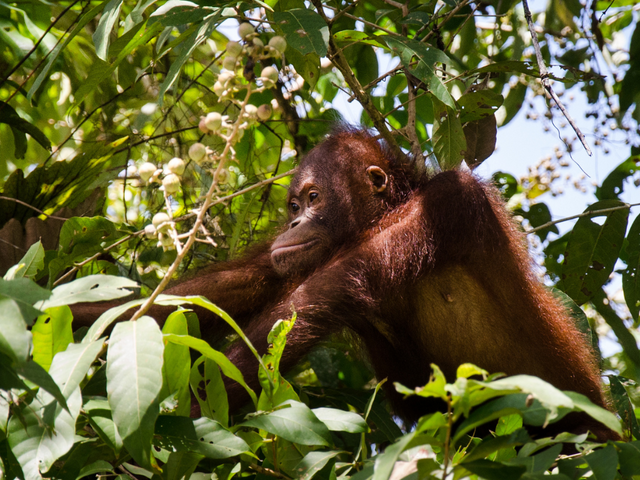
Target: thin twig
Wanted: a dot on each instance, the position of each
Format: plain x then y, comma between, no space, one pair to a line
208,200
591,213
32,208
544,77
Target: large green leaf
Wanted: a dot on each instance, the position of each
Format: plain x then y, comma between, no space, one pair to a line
134,379
29,265
340,421
25,292
108,19
70,367
215,405
99,414
448,139
604,463
631,276
35,445
15,339
176,365
203,32
419,59
20,128
592,251
313,462
178,12
603,415
228,368
295,422
53,55
94,288
202,436
386,462
304,30
52,333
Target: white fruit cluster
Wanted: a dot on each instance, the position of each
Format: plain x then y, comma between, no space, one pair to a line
161,227
250,51
149,173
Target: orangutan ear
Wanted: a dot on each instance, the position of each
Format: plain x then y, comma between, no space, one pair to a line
378,179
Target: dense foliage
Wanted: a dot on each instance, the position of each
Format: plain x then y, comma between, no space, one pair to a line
145,138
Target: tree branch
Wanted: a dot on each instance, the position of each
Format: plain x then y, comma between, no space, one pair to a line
338,59
591,213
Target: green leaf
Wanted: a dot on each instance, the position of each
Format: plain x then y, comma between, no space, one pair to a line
39,376
203,32
436,387
340,421
37,446
275,389
294,422
228,368
604,463
480,104
631,276
104,321
15,339
592,251
99,415
494,471
604,416
105,26
178,12
308,66
539,463
490,445
94,288
355,36
176,364
622,403
534,414
53,55
313,462
215,405
629,457
25,292
29,265
9,379
202,436
304,30
626,339
411,51
70,367
51,334
448,139
386,462
613,185
134,379
20,127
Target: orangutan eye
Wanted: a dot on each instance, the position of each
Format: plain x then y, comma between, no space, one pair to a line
294,207
313,196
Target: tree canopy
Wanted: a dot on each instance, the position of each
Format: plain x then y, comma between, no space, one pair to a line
142,139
